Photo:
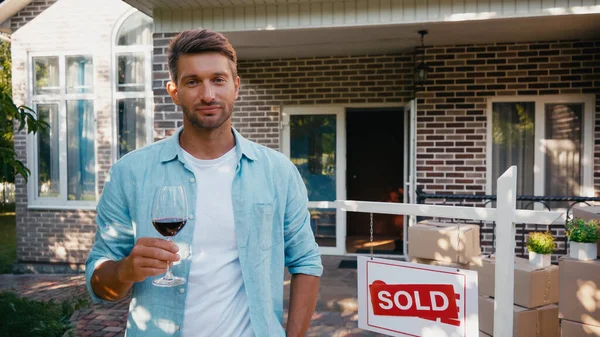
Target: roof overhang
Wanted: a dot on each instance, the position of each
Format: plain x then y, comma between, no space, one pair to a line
8,8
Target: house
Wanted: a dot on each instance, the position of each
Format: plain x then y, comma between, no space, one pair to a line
331,84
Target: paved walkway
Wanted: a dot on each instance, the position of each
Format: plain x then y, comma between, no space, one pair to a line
336,314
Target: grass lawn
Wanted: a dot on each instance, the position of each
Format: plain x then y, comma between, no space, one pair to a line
8,242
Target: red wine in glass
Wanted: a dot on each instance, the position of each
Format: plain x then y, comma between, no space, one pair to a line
169,226
169,214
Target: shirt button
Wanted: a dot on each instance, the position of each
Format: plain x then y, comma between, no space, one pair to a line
191,216
181,290
177,327
192,180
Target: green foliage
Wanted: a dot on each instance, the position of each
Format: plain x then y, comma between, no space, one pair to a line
541,243
508,132
10,114
579,230
23,317
8,242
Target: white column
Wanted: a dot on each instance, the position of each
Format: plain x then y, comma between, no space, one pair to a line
505,253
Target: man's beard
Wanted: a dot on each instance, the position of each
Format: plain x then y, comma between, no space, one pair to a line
210,124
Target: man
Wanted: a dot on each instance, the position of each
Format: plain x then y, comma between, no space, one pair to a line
248,218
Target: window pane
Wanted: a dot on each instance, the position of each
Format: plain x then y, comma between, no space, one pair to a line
132,124
48,152
131,72
136,30
81,172
322,222
313,151
563,139
513,143
79,74
46,75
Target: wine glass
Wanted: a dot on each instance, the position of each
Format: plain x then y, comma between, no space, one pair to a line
169,215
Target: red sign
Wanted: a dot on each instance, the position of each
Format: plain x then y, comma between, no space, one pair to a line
434,302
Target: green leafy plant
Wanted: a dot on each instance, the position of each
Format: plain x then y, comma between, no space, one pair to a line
541,243
24,317
579,230
11,115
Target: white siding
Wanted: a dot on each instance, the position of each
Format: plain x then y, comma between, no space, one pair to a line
303,14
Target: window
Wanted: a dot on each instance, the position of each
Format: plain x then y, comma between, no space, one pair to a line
548,138
133,87
63,156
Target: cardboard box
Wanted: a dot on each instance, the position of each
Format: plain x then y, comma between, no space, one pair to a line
576,329
438,263
534,287
580,291
539,322
446,242
588,213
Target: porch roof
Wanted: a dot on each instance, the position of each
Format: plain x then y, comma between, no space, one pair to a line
302,28
396,39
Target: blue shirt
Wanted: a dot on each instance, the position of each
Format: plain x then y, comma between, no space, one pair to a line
272,228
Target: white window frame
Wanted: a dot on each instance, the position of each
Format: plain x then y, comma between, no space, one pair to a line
147,94
340,184
62,202
587,152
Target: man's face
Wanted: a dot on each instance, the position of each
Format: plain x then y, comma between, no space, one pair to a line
205,89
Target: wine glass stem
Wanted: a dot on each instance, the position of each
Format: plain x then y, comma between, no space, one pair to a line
169,274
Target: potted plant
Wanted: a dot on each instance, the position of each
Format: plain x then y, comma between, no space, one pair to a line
541,246
583,236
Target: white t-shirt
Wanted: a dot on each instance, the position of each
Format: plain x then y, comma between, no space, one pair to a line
216,303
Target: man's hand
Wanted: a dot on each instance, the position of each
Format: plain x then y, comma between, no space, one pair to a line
149,257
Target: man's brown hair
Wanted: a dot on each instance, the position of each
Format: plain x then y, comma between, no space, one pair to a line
197,41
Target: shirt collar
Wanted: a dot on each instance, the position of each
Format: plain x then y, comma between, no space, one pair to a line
173,150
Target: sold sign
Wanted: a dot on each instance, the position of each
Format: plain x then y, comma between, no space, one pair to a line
401,299
427,301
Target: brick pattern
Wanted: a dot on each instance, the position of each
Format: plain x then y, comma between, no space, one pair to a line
451,127
452,122
275,83
28,13
64,237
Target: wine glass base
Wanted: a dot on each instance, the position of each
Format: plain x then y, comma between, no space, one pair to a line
170,282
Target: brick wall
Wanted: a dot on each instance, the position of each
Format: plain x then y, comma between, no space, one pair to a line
55,235
452,107
451,130
275,83
29,13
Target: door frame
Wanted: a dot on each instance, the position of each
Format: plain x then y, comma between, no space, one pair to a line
410,165
340,166
410,126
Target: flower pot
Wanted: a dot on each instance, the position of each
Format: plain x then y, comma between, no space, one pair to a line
583,251
540,260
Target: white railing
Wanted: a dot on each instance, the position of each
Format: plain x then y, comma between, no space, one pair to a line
505,215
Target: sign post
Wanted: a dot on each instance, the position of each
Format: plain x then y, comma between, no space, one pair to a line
395,274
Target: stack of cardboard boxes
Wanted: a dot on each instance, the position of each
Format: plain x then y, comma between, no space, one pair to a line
535,298
536,290
580,289
444,244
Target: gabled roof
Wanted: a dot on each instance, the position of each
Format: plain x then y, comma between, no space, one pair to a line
8,8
